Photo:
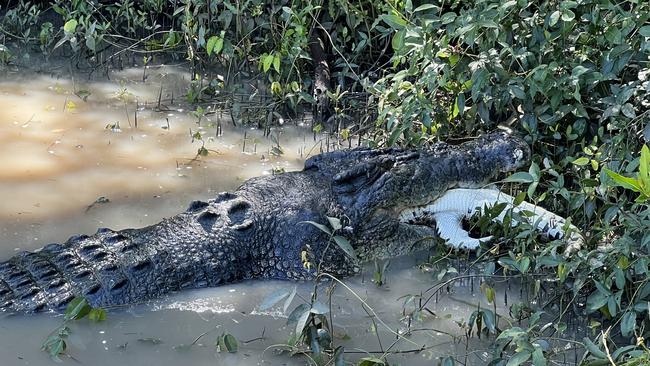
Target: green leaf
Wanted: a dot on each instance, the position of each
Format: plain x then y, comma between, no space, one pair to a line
302,321
645,31
538,357
289,299
424,7
70,26
554,18
644,165
568,15
214,45
295,313
267,60
628,323
593,349
581,161
625,182
448,361
97,315
371,361
394,20
273,298
228,342
520,177
276,62
489,320
490,294
597,300
77,309
398,40
519,358
320,227
335,223
448,17
319,308
628,110
344,244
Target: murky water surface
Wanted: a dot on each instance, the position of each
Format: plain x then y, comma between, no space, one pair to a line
70,166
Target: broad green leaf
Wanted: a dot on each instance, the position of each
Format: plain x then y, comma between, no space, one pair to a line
229,343
448,361
267,60
273,298
597,300
628,323
70,26
519,358
394,20
581,161
276,62
214,45
645,31
490,294
295,313
554,18
302,322
489,320
319,308
335,223
344,244
538,357
593,349
320,227
628,110
568,15
289,299
425,7
371,361
519,199
97,315
644,165
625,182
448,17
520,177
398,40
77,309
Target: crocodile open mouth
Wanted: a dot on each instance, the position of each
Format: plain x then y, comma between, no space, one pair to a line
419,215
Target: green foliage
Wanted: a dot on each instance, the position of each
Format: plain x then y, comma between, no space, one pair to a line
641,184
227,343
55,343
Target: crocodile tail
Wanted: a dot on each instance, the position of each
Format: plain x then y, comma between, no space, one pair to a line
198,248
90,266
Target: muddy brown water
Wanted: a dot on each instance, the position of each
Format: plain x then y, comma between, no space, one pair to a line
66,168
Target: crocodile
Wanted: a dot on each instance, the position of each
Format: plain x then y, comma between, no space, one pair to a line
388,202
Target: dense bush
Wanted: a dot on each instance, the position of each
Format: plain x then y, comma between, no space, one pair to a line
571,76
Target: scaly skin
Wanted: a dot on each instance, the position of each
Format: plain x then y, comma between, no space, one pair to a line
259,231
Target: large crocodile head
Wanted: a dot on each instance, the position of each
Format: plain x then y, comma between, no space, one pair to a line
376,188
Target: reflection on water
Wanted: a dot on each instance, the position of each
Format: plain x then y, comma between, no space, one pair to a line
70,166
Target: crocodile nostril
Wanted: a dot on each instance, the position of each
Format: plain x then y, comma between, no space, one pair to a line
238,212
207,220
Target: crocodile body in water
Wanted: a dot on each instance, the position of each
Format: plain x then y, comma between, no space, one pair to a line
388,201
